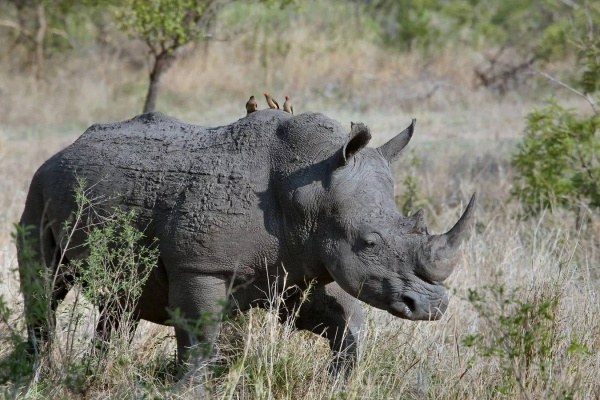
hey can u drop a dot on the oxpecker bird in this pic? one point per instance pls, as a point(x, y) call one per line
point(287, 106)
point(270, 101)
point(251, 105)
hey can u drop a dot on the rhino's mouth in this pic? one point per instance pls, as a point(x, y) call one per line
point(408, 310)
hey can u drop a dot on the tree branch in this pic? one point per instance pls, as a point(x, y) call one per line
point(570, 88)
point(10, 24)
point(571, 4)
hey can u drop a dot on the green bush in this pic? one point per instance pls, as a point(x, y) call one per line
point(557, 162)
point(519, 329)
point(111, 277)
point(117, 267)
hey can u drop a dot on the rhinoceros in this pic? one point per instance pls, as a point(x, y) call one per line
point(240, 206)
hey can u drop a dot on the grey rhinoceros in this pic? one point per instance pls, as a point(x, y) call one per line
point(242, 205)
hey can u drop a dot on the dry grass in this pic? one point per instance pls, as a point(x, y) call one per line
point(464, 136)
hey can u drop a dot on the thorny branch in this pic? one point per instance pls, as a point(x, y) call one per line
point(588, 98)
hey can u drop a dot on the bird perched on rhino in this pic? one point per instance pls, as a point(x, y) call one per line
point(287, 106)
point(270, 101)
point(251, 105)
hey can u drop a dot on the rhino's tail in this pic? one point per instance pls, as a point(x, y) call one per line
point(38, 256)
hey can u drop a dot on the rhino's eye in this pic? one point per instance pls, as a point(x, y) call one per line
point(371, 240)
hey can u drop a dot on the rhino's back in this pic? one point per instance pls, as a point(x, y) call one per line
point(156, 143)
point(177, 176)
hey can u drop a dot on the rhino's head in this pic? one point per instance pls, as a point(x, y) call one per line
point(373, 252)
point(339, 213)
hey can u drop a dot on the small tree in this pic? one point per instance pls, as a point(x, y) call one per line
point(166, 26)
point(558, 162)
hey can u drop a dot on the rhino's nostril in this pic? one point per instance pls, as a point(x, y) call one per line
point(410, 303)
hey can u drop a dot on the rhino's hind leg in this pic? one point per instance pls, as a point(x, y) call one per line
point(112, 318)
point(43, 283)
point(111, 321)
point(197, 304)
point(338, 317)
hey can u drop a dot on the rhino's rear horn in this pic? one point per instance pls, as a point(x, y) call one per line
point(392, 149)
point(417, 222)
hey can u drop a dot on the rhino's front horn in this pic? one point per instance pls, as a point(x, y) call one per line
point(442, 250)
point(460, 229)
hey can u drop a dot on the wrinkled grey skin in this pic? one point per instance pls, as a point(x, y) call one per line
point(242, 205)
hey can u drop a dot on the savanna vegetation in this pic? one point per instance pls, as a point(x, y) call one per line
point(505, 93)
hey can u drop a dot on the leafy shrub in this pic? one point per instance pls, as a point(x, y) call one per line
point(117, 266)
point(111, 277)
point(520, 330)
point(557, 162)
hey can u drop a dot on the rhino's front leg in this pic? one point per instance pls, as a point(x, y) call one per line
point(338, 317)
point(197, 304)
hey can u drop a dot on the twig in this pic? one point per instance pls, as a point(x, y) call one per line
point(10, 24)
point(577, 92)
point(412, 365)
point(571, 4)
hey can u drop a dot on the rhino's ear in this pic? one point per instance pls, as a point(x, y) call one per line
point(358, 139)
point(392, 149)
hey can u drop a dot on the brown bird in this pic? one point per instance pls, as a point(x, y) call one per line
point(287, 106)
point(251, 105)
point(270, 101)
